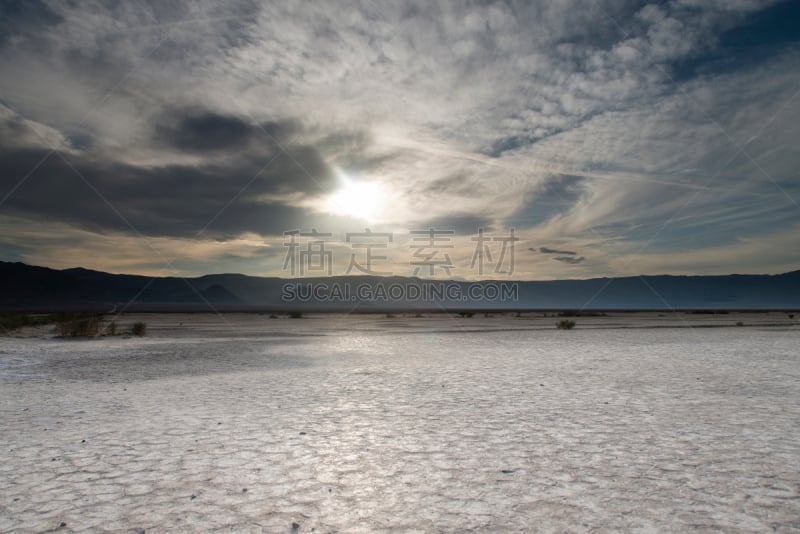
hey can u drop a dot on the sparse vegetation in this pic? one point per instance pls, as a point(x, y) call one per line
point(139, 329)
point(565, 324)
point(90, 324)
point(68, 324)
point(13, 320)
point(77, 324)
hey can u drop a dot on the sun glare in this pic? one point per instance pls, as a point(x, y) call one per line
point(361, 200)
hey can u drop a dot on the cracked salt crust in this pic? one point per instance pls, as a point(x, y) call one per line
point(364, 424)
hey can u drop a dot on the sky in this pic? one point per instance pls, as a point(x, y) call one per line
point(539, 140)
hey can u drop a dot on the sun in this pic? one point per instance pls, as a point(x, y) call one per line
point(360, 200)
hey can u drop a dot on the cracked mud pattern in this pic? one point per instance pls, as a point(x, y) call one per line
point(357, 431)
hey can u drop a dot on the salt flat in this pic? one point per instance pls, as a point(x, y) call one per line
point(366, 423)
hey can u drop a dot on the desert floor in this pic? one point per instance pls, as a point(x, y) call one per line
point(241, 423)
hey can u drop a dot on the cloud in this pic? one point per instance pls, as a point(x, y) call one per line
point(25, 18)
point(617, 124)
point(509, 143)
point(19, 133)
point(61, 246)
point(203, 130)
point(461, 224)
point(546, 250)
point(171, 200)
point(570, 259)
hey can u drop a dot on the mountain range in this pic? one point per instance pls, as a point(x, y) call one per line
point(27, 287)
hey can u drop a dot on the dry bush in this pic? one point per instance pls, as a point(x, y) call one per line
point(78, 325)
point(565, 324)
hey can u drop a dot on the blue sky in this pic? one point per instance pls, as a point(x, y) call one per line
point(185, 138)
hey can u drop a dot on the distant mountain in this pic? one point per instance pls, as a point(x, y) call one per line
point(26, 287)
point(218, 294)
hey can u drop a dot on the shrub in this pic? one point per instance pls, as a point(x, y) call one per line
point(139, 329)
point(466, 314)
point(791, 316)
point(111, 328)
point(64, 328)
point(739, 323)
point(296, 315)
point(89, 327)
point(80, 325)
point(565, 324)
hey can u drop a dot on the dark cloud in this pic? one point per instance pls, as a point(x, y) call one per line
point(546, 250)
point(160, 201)
point(283, 131)
point(171, 200)
point(203, 130)
point(570, 259)
point(80, 140)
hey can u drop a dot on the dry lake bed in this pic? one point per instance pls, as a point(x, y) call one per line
point(242, 423)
